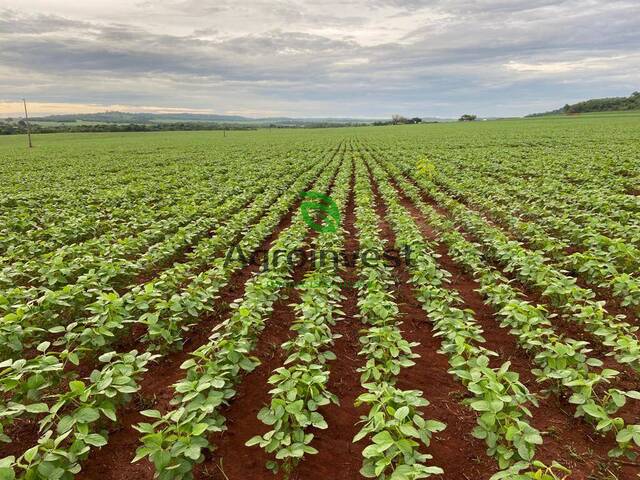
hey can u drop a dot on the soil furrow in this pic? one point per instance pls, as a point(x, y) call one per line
point(604, 294)
point(561, 323)
point(336, 449)
point(156, 386)
point(572, 443)
point(454, 449)
point(231, 455)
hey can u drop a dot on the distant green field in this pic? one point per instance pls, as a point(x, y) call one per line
point(527, 129)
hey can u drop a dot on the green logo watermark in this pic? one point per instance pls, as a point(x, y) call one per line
point(322, 203)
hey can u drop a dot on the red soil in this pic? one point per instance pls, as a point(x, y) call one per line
point(231, 455)
point(337, 452)
point(571, 442)
point(336, 449)
point(605, 294)
point(455, 450)
point(231, 458)
point(567, 440)
point(156, 386)
point(628, 380)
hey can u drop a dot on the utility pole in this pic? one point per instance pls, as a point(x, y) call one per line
point(26, 117)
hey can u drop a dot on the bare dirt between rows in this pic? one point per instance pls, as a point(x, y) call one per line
point(25, 431)
point(567, 440)
point(156, 386)
point(114, 461)
point(570, 441)
point(233, 460)
point(231, 456)
point(338, 456)
point(628, 378)
point(156, 391)
point(455, 450)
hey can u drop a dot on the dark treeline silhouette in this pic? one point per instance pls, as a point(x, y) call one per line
point(613, 104)
point(20, 127)
point(399, 120)
point(467, 118)
point(11, 127)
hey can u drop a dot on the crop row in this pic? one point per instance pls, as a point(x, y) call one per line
point(299, 387)
point(29, 319)
point(497, 394)
point(125, 240)
point(164, 305)
point(577, 304)
point(602, 261)
point(394, 426)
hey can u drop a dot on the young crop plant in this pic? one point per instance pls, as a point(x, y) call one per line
point(596, 261)
point(29, 322)
point(300, 385)
point(113, 315)
point(122, 252)
point(77, 420)
point(75, 459)
point(394, 426)
point(498, 396)
point(577, 304)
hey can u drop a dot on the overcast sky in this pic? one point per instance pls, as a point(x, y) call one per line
point(304, 58)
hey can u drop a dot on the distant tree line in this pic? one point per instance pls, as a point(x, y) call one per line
point(20, 127)
point(398, 120)
point(136, 118)
point(15, 127)
point(613, 104)
point(125, 118)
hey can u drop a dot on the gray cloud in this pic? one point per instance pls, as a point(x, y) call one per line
point(13, 22)
point(426, 57)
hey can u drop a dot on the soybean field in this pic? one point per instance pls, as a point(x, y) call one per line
point(453, 301)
